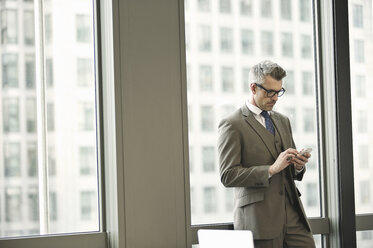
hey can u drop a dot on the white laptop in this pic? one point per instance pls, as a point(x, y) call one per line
point(225, 239)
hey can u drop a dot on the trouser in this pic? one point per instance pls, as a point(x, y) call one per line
point(295, 233)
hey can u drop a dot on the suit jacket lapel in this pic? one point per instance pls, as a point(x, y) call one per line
point(262, 132)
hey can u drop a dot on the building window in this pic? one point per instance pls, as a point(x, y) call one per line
point(308, 120)
point(291, 113)
point(9, 26)
point(225, 6)
point(363, 155)
point(28, 27)
point(360, 86)
point(87, 159)
point(83, 28)
point(30, 71)
point(226, 110)
point(359, 51)
point(246, 7)
point(208, 159)
point(312, 195)
point(366, 235)
point(307, 83)
point(229, 199)
point(31, 115)
point(362, 121)
point(32, 159)
point(305, 10)
point(205, 78)
point(267, 43)
point(289, 83)
point(13, 204)
point(204, 38)
point(306, 46)
point(87, 205)
point(266, 8)
point(247, 42)
point(51, 161)
point(49, 75)
point(10, 70)
point(227, 79)
point(209, 196)
point(50, 117)
point(357, 14)
point(12, 159)
point(52, 206)
point(287, 44)
point(33, 205)
point(245, 80)
point(48, 29)
point(11, 115)
point(364, 192)
point(84, 72)
point(226, 40)
point(207, 118)
point(286, 9)
point(204, 5)
point(86, 116)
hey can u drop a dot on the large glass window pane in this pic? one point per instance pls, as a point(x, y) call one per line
point(217, 75)
point(360, 31)
point(69, 141)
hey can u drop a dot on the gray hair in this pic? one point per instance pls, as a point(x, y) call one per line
point(265, 68)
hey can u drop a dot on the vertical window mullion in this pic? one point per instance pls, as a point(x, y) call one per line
point(41, 118)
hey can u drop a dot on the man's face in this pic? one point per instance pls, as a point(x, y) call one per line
point(261, 99)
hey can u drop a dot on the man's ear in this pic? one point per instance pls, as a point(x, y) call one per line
point(253, 88)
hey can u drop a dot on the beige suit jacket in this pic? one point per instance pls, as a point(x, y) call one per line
point(246, 151)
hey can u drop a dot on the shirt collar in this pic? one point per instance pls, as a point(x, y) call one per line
point(254, 108)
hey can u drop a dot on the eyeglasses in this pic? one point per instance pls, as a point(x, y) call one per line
point(272, 93)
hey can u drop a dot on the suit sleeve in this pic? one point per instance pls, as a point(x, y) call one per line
point(232, 173)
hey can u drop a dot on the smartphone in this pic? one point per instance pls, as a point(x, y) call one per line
point(309, 150)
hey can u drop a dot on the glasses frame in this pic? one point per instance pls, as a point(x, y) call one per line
point(272, 93)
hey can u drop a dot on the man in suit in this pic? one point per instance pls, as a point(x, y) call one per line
point(257, 156)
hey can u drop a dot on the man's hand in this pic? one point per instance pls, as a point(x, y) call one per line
point(284, 160)
point(300, 160)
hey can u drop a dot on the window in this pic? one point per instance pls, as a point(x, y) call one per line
point(204, 38)
point(33, 203)
point(267, 43)
point(86, 116)
point(10, 115)
point(362, 121)
point(87, 205)
point(357, 14)
point(9, 26)
point(226, 110)
point(308, 120)
point(32, 160)
point(226, 40)
point(360, 86)
point(291, 113)
point(207, 118)
point(48, 29)
point(28, 25)
point(289, 83)
point(13, 204)
point(287, 44)
point(83, 28)
point(305, 10)
point(209, 196)
point(10, 70)
point(31, 115)
point(50, 117)
point(286, 9)
point(311, 194)
point(205, 78)
point(12, 159)
point(364, 192)
point(245, 80)
point(227, 79)
point(30, 71)
point(208, 156)
point(363, 155)
point(229, 200)
point(246, 7)
point(87, 161)
point(359, 51)
point(204, 5)
point(308, 89)
point(247, 42)
point(266, 8)
point(306, 46)
point(53, 206)
point(49, 72)
point(225, 6)
point(84, 72)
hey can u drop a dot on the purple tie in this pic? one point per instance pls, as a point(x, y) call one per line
point(269, 123)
